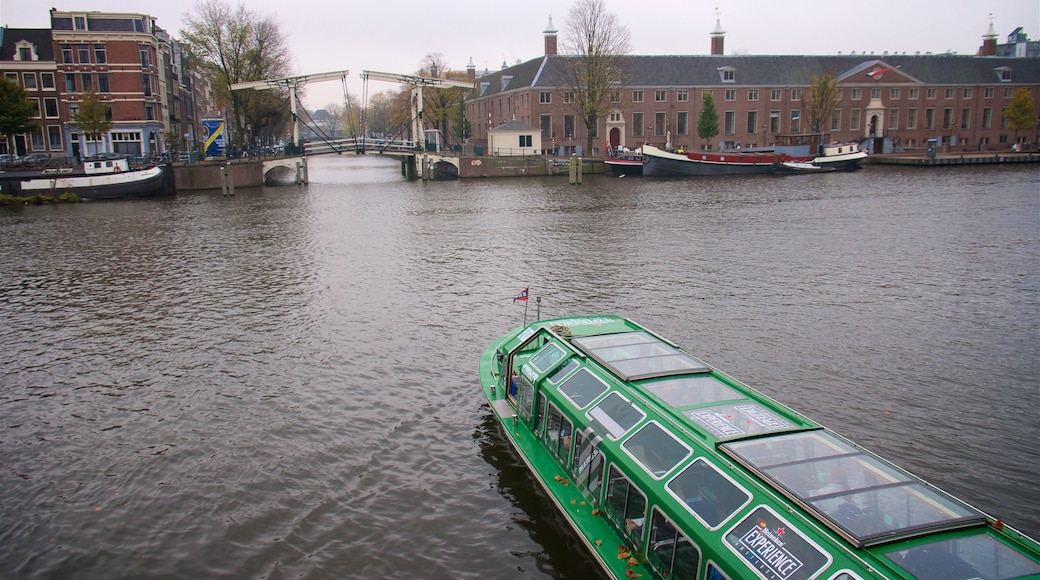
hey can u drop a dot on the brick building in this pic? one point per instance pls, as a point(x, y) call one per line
point(893, 101)
point(27, 58)
point(133, 65)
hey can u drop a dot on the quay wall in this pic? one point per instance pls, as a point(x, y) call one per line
point(942, 159)
point(206, 174)
point(521, 166)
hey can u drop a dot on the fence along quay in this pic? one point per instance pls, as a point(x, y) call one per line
point(668, 468)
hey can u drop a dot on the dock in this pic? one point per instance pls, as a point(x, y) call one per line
point(965, 158)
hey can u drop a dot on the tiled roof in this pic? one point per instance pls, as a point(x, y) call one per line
point(778, 71)
point(41, 37)
point(515, 125)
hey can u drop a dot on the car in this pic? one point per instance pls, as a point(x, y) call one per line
point(35, 159)
point(8, 159)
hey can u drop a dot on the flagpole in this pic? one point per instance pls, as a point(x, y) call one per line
point(526, 302)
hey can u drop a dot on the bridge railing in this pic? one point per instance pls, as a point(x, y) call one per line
point(352, 144)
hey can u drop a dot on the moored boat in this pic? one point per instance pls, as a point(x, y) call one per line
point(845, 156)
point(801, 167)
point(668, 468)
point(661, 163)
point(622, 163)
point(98, 179)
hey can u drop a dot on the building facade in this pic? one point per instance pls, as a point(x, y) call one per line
point(27, 58)
point(133, 66)
point(895, 102)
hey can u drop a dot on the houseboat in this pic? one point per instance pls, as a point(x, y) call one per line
point(846, 156)
point(98, 178)
point(668, 468)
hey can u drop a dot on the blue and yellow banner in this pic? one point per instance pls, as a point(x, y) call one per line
point(215, 133)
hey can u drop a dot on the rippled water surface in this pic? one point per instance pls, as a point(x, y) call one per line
point(283, 383)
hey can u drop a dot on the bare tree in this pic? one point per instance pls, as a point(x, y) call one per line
point(819, 102)
point(235, 45)
point(439, 104)
point(332, 124)
point(94, 117)
point(595, 43)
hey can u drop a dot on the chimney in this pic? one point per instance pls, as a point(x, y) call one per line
point(550, 38)
point(717, 36)
point(989, 40)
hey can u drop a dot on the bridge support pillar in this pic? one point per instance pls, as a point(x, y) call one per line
point(301, 171)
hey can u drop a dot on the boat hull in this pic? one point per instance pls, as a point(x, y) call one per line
point(660, 163)
point(148, 182)
point(625, 165)
point(846, 162)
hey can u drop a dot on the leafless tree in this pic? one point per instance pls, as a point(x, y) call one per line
point(234, 45)
point(819, 102)
point(594, 43)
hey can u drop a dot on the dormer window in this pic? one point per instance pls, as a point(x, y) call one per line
point(1003, 73)
point(505, 81)
point(25, 51)
point(484, 87)
point(727, 74)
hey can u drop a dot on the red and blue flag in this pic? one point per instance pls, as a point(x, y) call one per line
point(521, 296)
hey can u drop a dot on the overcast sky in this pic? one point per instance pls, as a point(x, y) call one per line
point(395, 35)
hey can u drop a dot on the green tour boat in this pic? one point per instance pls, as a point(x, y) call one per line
point(667, 468)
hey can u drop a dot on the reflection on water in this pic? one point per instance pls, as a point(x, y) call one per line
point(284, 382)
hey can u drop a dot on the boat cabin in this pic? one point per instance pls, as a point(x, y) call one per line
point(699, 476)
point(101, 166)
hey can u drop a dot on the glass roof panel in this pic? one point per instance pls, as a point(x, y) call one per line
point(978, 556)
point(688, 391)
point(639, 355)
point(868, 499)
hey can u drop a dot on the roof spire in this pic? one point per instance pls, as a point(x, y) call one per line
point(549, 28)
point(992, 32)
point(718, 25)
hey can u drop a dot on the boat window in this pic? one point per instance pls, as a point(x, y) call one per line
point(777, 550)
point(525, 400)
point(625, 505)
point(557, 435)
point(708, 493)
point(860, 496)
point(669, 551)
point(589, 470)
point(582, 388)
point(614, 416)
point(639, 355)
point(737, 420)
point(657, 450)
point(978, 556)
point(539, 415)
point(696, 390)
point(713, 573)
point(547, 357)
point(562, 371)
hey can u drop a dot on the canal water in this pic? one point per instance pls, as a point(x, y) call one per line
point(283, 383)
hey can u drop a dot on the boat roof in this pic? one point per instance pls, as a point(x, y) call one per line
point(786, 450)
